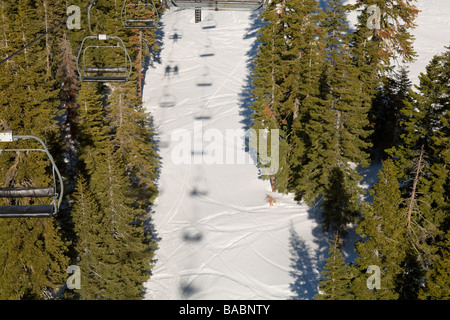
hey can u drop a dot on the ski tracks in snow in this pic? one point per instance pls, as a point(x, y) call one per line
point(220, 239)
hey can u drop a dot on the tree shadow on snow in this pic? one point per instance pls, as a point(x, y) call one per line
point(245, 96)
point(159, 38)
point(307, 263)
point(304, 285)
point(155, 55)
point(323, 238)
point(369, 177)
point(152, 237)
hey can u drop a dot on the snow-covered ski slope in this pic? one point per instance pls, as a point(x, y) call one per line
point(432, 33)
point(218, 236)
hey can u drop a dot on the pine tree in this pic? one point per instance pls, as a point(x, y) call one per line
point(425, 138)
point(34, 253)
point(438, 278)
point(384, 239)
point(426, 132)
point(117, 159)
point(336, 276)
point(125, 251)
point(385, 113)
point(267, 92)
point(68, 97)
point(340, 205)
point(141, 40)
point(132, 140)
point(373, 49)
point(301, 85)
point(393, 39)
point(365, 59)
point(93, 131)
point(86, 217)
point(33, 260)
point(334, 128)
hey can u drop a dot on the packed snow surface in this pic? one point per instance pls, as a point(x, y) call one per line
point(432, 34)
point(218, 236)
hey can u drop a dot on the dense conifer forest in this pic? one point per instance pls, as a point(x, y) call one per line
point(102, 141)
point(336, 95)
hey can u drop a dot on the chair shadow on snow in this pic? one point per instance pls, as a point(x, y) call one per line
point(204, 79)
point(192, 234)
point(187, 289)
point(305, 263)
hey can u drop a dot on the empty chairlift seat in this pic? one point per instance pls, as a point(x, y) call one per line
point(35, 210)
point(139, 15)
point(133, 23)
point(27, 210)
point(27, 192)
point(31, 211)
point(89, 72)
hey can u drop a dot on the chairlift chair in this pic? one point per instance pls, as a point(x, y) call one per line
point(93, 73)
point(31, 211)
point(139, 15)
